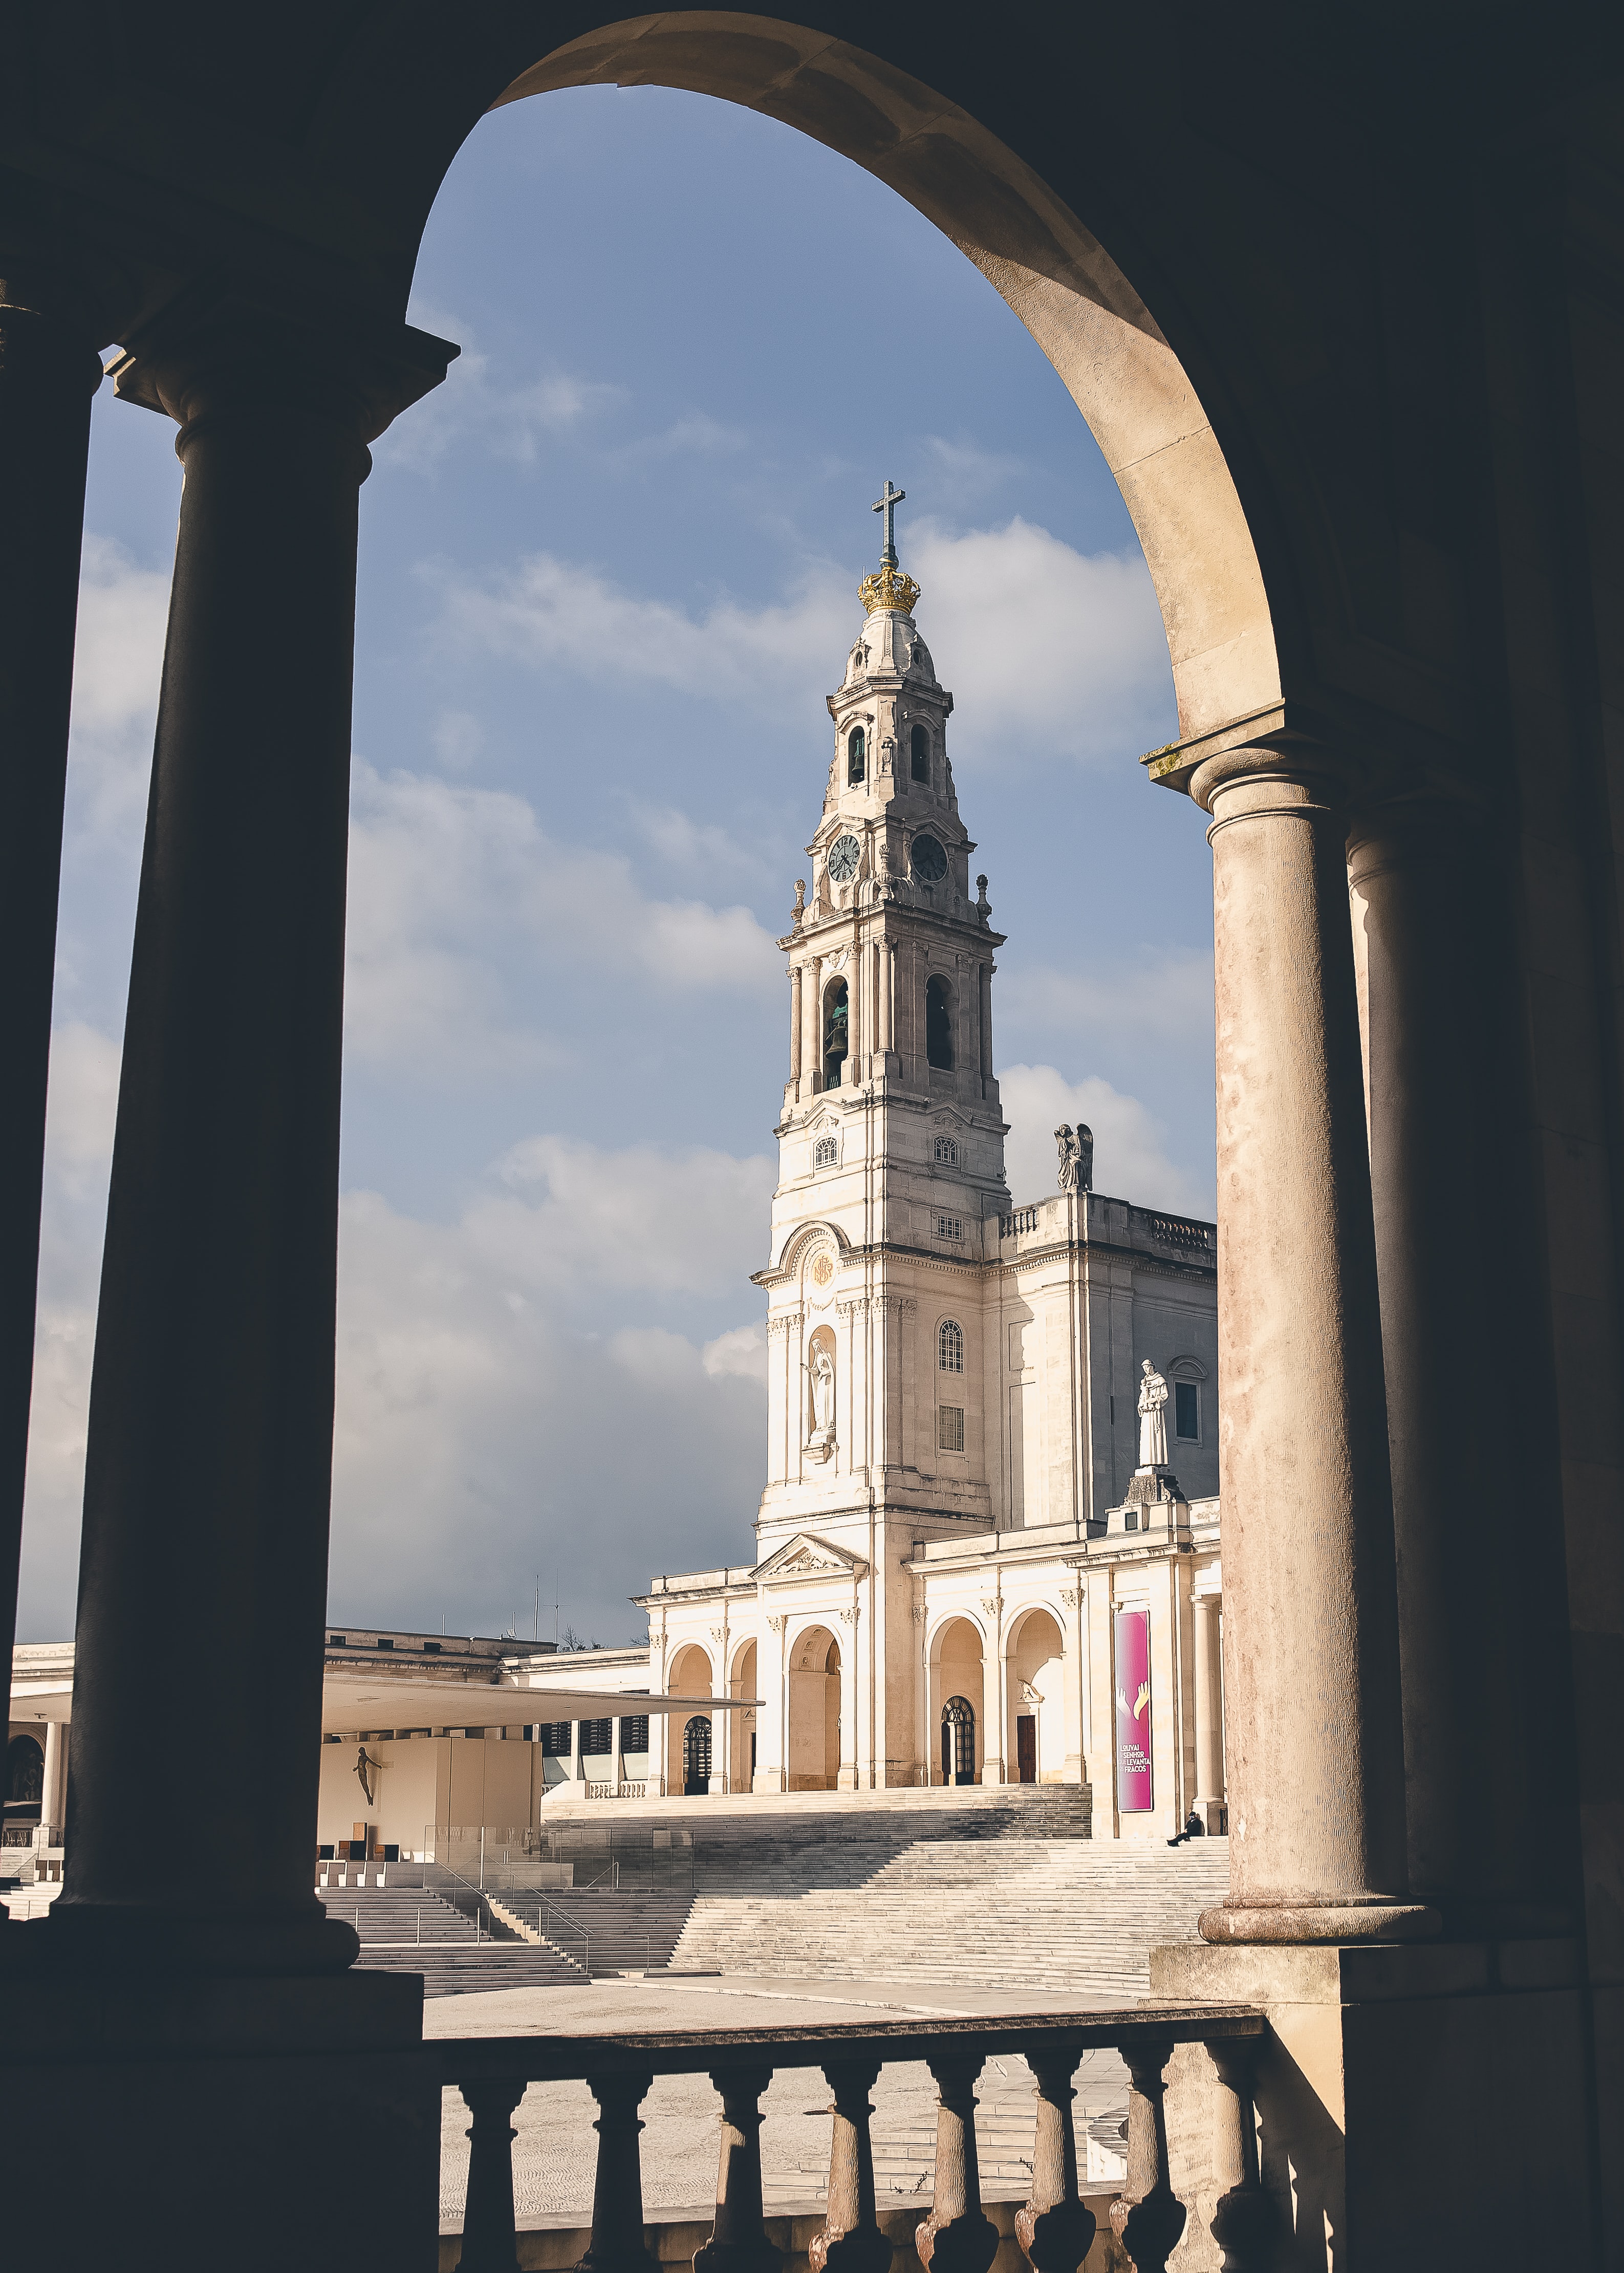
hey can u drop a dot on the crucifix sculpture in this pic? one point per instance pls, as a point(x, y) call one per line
point(887, 503)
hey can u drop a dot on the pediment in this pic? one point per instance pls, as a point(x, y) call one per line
point(808, 1557)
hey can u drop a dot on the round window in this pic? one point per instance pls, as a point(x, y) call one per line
point(929, 862)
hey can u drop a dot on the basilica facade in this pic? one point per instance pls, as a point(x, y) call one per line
point(977, 1560)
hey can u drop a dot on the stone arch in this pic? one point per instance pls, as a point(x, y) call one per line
point(688, 1673)
point(808, 1235)
point(956, 1655)
point(814, 1739)
point(1034, 1693)
point(743, 1680)
point(1112, 355)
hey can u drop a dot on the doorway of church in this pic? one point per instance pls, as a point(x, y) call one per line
point(1026, 1748)
point(958, 1741)
point(697, 1758)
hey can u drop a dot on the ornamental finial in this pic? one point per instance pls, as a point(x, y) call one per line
point(889, 588)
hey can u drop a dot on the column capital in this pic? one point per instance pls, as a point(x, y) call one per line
point(1283, 772)
point(1399, 832)
point(214, 350)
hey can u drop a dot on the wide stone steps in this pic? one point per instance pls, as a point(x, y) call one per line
point(1080, 1918)
point(609, 1933)
point(412, 1930)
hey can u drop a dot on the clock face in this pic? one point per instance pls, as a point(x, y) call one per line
point(844, 855)
point(929, 861)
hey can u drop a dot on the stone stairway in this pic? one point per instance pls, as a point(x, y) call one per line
point(628, 1932)
point(411, 1930)
point(1034, 1914)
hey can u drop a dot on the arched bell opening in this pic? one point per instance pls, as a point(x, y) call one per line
point(837, 1022)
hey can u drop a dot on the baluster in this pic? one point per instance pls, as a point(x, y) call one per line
point(489, 2242)
point(1054, 2226)
point(956, 2237)
point(739, 2242)
point(617, 2244)
point(851, 2240)
point(1147, 2216)
point(1243, 2217)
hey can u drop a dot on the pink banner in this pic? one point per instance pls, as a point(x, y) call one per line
point(1134, 1793)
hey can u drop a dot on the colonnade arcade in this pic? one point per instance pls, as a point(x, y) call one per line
point(1403, 1751)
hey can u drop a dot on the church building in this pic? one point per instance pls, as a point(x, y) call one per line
point(987, 1547)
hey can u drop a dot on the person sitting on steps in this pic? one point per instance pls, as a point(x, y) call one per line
point(1194, 1828)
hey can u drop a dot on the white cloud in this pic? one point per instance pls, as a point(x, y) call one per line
point(691, 1221)
point(550, 611)
point(742, 1350)
point(1049, 651)
point(1164, 997)
point(117, 663)
point(449, 884)
point(481, 1439)
point(1130, 1159)
point(474, 404)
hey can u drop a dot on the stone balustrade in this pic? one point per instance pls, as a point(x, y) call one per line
point(1055, 2226)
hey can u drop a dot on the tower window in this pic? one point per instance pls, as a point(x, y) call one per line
point(950, 1226)
point(938, 1023)
point(921, 745)
point(950, 1346)
point(947, 1151)
point(825, 1153)
point(1187, 1411)
point(856, 756)
point(950, 1428)
point(835, 1025)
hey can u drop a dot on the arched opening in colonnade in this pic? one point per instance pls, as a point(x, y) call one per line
point(742, 1728)
point(1034, 1699)
point(688, 1675)
point(814, 1750)
point(956, 1708)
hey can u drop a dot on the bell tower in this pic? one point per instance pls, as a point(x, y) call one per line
point(891, 1141)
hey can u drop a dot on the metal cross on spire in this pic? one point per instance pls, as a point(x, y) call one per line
point(887, 505)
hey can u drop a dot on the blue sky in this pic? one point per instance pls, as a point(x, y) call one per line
point(607, 576)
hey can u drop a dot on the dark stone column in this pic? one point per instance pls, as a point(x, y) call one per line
point(203, 1576)
point(1481, 1607)
point(49, 371)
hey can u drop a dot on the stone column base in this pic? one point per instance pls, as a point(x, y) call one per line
point(246, 2121)
point(1419, 2106)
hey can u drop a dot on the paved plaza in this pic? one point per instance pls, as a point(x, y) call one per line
point(552, 2156)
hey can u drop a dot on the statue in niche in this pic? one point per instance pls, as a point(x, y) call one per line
point(822, 1367)
point(1152, 1417)
point(1076, 1150)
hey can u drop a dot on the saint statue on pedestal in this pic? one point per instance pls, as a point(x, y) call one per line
point(1152, 1417)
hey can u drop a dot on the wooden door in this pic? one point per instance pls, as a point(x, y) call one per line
point(1026, 1748)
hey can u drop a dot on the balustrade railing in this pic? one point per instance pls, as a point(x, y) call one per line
point(1017, 1220)
point(1055, 2226)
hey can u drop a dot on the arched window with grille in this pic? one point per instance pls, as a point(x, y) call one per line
point(947, 1151)
point(939, 1024)
point(696, 1756)
point(856, 756)
point(950, 1346)
point(825, 1153)
point(958, 1741)
point(921, 747)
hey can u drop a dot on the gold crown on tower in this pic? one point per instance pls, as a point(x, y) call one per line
point(888, 588)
